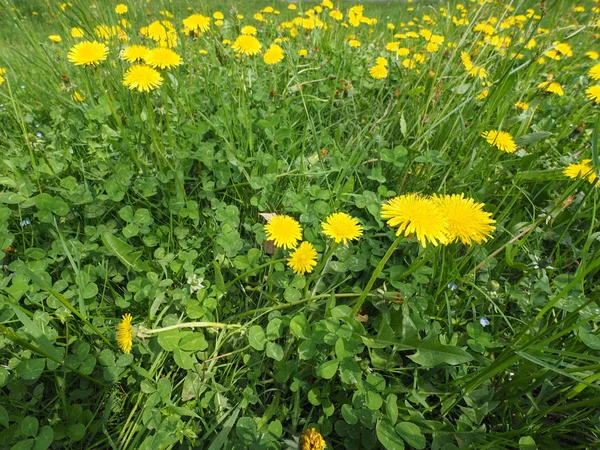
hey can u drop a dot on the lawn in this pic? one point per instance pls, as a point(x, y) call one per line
point(299, 226)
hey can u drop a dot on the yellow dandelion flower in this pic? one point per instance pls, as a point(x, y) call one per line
point(87, 53)
point(312, 440)
point(55, 38)
point(105, 32)
point(125, 334)
point(249, 30)
point(413, 213)
point(584, 169)
point(378, 71)
point(121, 8)
point(564, 49)
point(522, 105)
point(273, 55)
point(218, 15)
point(197, 22)
point(77, 32)
point(354, 43)
point(478, 72)
point(594, 72)
point(77, 97)
point(593, 93)
point(142, 77)
point(164, 58)
point(284, 230)
point(303, 259)
point(553, 87)
point(302, 52)
point(592, 54)
point(247, 45)
point(467, 221)
point(342, 227)
point(134, 53)
point(502, 140)
point(292, 7)
point(381, 61)
point(483, 94)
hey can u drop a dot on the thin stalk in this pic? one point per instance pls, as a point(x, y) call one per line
point(375, 274)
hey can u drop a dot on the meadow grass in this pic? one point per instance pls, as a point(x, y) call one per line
point(119, 205)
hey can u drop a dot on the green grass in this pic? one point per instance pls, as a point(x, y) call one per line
point(108, 206)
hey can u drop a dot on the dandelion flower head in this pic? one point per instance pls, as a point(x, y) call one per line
point(87, 53)
point(247, 45)
point(467, 221)
point(284, 230)
point(163, 58)
point(142, 78)
point(124, 334)
point(501, 140)
point(584, 169)
point(273, 55)
point(342, 227)
point(303, 259)
point(312, 440)
point(413, 213)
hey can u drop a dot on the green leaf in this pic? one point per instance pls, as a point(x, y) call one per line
point(25, 444)
point(274, 329)
point(31, 369)
point(169, 340)
point(391, 408)
point(3, 417)
point(29, 426)
point(76, 431)
point(328, 369)
point(44, 438)
point(411, 433)
point(527, 443)
point(349, 415)
point(257, 338)
point(373, 400)
point(431, 353)
point(193, 342)
point(183, 359)
point(298, 326)
point(222, 438)
point(388, 437)
point(219, 282)
point(532, 138)
point(246, 430)
point(274, 351)
point(120, 249)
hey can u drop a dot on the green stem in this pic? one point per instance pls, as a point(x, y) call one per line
point(254, 269)
point(192, 325)
point(318, 269)
point(376, 273)
point(300, 302)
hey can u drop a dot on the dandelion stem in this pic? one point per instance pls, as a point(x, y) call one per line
point(376, 273)
point(254, 269)
point(317, 272)
point(193, 325)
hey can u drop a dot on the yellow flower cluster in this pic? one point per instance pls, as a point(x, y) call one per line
point(440, 219)
point(285, 232)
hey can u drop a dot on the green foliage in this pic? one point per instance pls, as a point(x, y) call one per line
point(154, 204)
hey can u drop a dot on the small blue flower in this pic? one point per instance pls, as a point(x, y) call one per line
point(484, 322)
point(39, 135)
point(452, 286)
point(25, 222)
